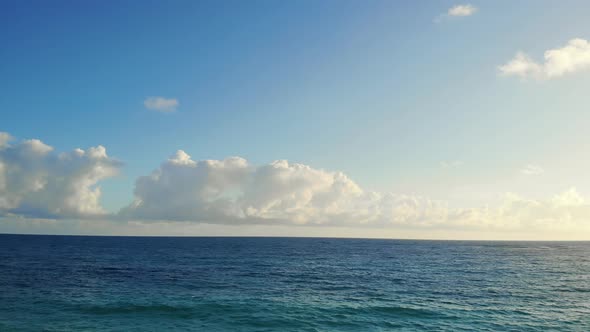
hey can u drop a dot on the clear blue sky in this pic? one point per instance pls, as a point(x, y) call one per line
point(380, 90)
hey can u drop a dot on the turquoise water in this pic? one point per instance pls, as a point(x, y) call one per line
point(62, 283)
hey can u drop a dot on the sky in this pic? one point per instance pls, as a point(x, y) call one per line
point(395, 119)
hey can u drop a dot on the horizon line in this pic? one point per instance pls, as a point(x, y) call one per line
point(286, 237)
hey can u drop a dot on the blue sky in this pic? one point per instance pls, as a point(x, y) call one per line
point(399, 96)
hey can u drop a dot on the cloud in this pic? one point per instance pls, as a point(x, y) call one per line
point(231, 191)
point(4, 139)
point(36, 182)
point(451, 164)
point(532, 170)
point(161, 104)
point(571, 58)
point(568, 210)
point(521, 65)
point(457, 11)
point(462, 10)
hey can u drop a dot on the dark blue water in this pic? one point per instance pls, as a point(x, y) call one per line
point(62, 283)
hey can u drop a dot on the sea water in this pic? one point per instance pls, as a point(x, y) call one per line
point(79, 283)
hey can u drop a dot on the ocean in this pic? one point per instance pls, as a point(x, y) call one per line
point(83, 283)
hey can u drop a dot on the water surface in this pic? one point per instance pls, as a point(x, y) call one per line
point(70, 283)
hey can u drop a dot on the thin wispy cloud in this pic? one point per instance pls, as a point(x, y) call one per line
point(161, 104)
point(572, 58)
point(457, 11)
point(451, 164)
point(532, 170)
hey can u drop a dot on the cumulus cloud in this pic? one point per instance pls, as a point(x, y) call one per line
point(36, 182)
point(532, 170)
point(182, 189)
point(522, 66)
point(4, 139)
point(457, 11)
point(568, 210)
point(571, 58)
point(161, 104)
point(232, 191)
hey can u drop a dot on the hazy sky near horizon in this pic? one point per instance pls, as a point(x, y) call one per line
point(437, 119)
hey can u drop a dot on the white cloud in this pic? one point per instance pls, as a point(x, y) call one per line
point(462, 10)
point(182, 189)
point(451, 164)
point(568, 210)
point(570, 197)
point(532, 170)
point(36, 182)
point(521, 65)
point(571, 58)
point(161, 104)
point(232, 191)
point(457, 11)
point(4, 139)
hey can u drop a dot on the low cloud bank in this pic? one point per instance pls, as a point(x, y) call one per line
point(234, 192)
point(37, 182)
